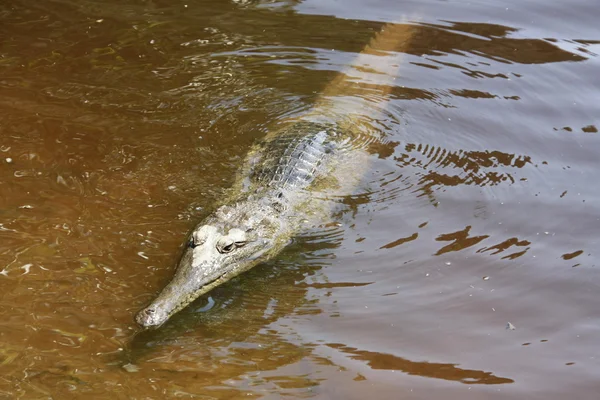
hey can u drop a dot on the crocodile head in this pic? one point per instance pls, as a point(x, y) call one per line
point(227, 243)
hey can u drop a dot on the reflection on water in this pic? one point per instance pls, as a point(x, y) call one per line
point(121, 123)
point(431, 370)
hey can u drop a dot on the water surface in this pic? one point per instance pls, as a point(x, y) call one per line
point(121, 122)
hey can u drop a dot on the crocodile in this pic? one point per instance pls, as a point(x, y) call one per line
point(278, 190)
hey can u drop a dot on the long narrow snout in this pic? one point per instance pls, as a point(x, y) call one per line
point(185, 287)
point(168, 302)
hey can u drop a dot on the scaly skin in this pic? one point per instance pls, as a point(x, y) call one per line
point(272, 196)
point(262, 214)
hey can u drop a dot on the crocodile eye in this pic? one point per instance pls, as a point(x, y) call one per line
point(191, 244)
point(228, 248)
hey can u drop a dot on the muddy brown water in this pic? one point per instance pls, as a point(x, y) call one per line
point(121, 122)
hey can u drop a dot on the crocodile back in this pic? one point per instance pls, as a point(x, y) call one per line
point(292, 160)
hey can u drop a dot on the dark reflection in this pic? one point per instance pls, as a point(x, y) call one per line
point(448, 372)
point(572, 255)
point(505, 245)
point(400, 241)
point(480, 168)
point(429, 39)
point(423, 169)
point(495, 44)
point(460, 240)
point(590, 129)
point(167, 45)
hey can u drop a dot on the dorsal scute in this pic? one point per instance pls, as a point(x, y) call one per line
point(294, 159)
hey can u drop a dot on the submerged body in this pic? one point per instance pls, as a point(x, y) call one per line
point(273, 195)
point(268, 203)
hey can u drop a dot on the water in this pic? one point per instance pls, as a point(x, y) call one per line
point(122, 122)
